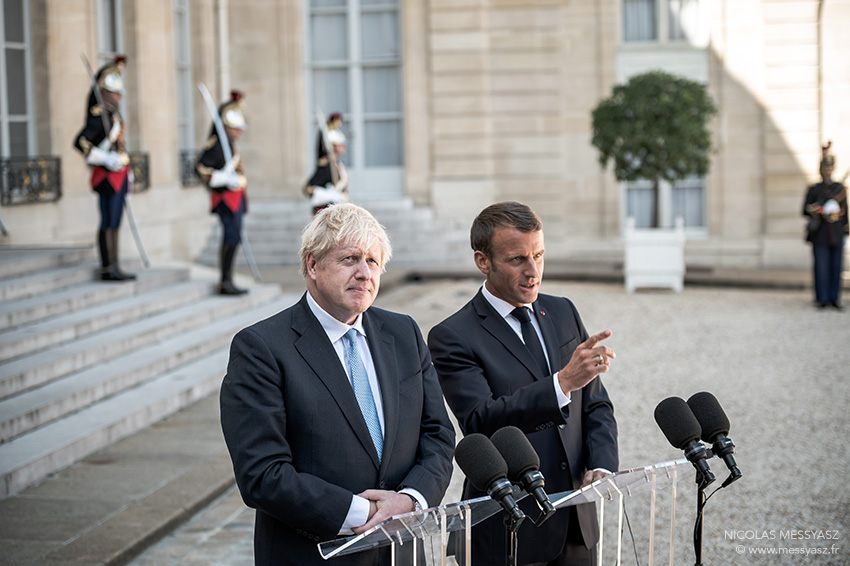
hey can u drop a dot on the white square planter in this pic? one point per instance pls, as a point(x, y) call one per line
point(655, 257)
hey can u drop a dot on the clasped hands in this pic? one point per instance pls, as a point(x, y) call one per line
point(383, 504)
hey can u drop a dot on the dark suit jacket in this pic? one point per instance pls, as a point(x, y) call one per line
point(299, 444)
point(490, 380)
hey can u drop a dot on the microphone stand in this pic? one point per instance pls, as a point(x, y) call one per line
point(701, 485)
point(511, 543)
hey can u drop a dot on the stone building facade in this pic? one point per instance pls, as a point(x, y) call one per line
point(452, 104)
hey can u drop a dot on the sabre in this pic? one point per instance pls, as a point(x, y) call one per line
point(228, 159)
point(323, 128)
point(131, 218)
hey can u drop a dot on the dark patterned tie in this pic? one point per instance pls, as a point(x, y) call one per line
point(529, 336)
point(360, 383)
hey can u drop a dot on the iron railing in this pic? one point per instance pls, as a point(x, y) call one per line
point(188, 174)
point(141, 165)
point(25, 180)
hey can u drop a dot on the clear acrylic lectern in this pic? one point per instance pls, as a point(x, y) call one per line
point(433, 526)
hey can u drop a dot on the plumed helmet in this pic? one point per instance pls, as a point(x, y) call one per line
point(828, 159)
point(109, 77)
point(336, 137)
point(231, 111)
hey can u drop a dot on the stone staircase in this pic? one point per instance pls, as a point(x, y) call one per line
point(85, 363)
point(418, 236)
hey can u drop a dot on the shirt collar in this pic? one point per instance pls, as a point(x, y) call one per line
point(332, 327)
point(502, 307)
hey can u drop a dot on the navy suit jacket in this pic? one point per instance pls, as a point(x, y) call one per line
point(490, 380)
point(299, 444)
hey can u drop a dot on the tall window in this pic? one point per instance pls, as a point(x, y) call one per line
point(354, 63)
point(110, 36)
point(183, 60)
point(16, 118)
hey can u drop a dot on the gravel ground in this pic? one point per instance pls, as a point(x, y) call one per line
point(777, 366)
point(775, 363)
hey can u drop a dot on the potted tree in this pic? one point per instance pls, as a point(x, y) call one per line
point(654, 127)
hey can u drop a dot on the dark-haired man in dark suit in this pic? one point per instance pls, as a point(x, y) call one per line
point(512, 356)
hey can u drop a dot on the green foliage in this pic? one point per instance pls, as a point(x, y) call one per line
point(655, 127)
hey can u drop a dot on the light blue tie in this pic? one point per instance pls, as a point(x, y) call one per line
point(360, 383)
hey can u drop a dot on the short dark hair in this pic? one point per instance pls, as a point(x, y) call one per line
point(510, 214)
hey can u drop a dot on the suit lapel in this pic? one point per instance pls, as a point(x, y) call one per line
point(550, 342)
point(382, 348)
point(493, 323)
point(319, 354)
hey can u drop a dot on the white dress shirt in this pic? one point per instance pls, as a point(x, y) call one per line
point(358, 512)
point(504, 309)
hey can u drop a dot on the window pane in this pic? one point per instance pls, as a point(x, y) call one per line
point(329, 38)
point(380, 35)
point(381, 89)
point(379, 2)
point(16, 88)
point(640, 203)
point(326, 3)
point(330, 90)
point(18, 139)
point(684, 19)
point(13, 14)
point(383, 143)
point(108, 32)
point(639, 20)
point(688, 203)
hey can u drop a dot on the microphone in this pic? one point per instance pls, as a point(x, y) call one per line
point(487, 470)
point(715, 428)
point(523, 463)
point(682, 430)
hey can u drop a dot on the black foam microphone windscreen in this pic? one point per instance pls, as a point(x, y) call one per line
point(480, 460)
point(677, 422)
point(709, 414)
point(517, 451)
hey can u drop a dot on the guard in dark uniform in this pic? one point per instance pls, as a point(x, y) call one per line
point(101, 141)
point(329, 183)
point(227, 184)
point(826, 208)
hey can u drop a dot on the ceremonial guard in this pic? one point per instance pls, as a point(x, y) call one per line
point(329, 183)
point(227, 184)
point(101, 141)
point(826, 209)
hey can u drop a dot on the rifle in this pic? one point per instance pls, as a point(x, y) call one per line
point(228, 159)
point(131, 218)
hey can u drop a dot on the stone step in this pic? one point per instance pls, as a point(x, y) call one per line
point(29, 458)
point(416, 233)
point(41, 367)
point(81, 295)
point(19, 261)
point(79, 323)
point(39, 406)
point(45, 281)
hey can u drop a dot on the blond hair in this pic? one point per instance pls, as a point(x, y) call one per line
point(338, 224)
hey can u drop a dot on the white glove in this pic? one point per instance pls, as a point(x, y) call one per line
point(322, 196)
point(224, 178)
point(108, 159)
point(831, 207)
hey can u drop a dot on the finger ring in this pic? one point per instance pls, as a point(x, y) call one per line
point(601, 359)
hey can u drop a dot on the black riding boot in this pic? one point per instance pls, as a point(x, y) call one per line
point(112, 238)
point(226, 287)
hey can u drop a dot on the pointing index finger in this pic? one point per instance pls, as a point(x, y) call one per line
point(596, 338)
